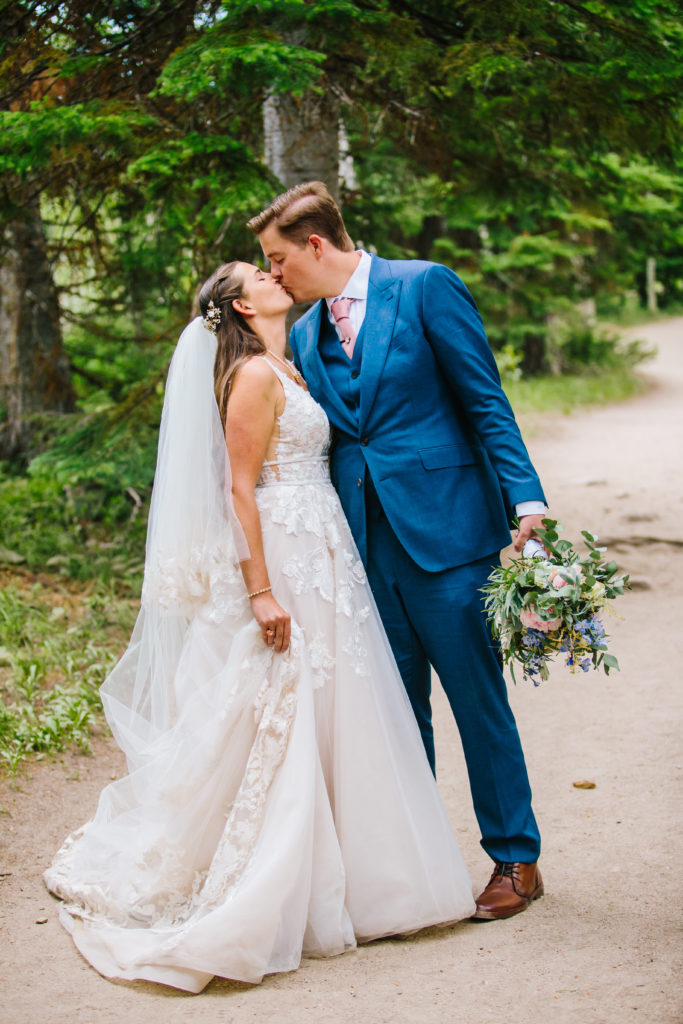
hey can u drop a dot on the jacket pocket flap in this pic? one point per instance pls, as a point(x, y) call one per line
point(446, 455)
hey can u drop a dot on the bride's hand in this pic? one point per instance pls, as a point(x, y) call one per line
point(274, 621)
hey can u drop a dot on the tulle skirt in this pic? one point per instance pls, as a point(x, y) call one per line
point(286, 807)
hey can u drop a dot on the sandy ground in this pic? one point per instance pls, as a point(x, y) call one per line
point(603, 944)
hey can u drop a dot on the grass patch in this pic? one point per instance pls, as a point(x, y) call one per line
point(572, 391)
point(56, 647)
point(46, 529)
point(633, 315)
point(71, 563)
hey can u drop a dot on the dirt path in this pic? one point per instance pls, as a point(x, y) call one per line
point(603, 945)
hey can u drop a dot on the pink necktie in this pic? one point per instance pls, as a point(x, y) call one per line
point(340, 311)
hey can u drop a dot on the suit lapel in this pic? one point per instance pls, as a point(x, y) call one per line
point(378, 326)
point(315, 373)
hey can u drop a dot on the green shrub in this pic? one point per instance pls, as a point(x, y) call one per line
point(53, 659)
point(577, 344)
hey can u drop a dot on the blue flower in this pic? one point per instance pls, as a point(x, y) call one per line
point(598, 629)
point(591, 629)
point(534, 638)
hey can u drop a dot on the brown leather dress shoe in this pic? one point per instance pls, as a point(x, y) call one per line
point(511, 889)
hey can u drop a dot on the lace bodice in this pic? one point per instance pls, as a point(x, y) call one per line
point(304, 439)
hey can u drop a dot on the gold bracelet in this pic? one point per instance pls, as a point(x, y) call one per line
point(264, 590)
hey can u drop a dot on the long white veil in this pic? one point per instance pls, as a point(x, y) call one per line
point(194, 544)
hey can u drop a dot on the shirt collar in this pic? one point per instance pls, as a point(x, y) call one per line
point(357, 285)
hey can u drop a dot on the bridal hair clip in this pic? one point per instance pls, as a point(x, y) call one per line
point(212, 319)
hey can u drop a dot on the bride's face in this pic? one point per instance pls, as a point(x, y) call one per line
point(263, 293)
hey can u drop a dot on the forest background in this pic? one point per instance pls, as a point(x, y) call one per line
point(532, 145)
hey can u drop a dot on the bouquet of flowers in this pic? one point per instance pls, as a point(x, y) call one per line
point(541, 605)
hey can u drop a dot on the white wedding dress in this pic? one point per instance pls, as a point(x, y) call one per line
point(282, 805)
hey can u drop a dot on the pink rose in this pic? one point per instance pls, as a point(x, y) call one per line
point(558, 582)
point(530, 620)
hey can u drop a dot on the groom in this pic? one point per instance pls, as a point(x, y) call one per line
point(430, 468)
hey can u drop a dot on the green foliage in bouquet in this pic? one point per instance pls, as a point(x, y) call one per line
point(540, 607)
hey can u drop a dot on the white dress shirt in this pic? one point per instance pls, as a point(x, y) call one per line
point(356, 288)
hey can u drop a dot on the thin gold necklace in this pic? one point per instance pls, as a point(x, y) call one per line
point(289, 366)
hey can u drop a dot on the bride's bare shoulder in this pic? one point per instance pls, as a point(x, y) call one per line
point(255, 371)
point(255, 382)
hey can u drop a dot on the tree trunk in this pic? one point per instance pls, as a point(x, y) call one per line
point(34, 372)
point(651, 284)
point(433, 226)
point(534, 359)
point(302, 138)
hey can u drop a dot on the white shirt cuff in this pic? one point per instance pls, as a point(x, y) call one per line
point(530, 508)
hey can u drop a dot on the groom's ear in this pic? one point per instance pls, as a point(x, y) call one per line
point(316, 243)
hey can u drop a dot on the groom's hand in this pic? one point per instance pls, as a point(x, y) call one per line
point(527, 528)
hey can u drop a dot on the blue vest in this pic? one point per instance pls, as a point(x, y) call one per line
point(344, 373)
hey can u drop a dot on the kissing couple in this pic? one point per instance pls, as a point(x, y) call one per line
point(274, 700)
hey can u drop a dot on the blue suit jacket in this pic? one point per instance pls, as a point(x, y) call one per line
point(434, 430)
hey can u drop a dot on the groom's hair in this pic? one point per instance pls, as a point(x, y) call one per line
point(305, 210)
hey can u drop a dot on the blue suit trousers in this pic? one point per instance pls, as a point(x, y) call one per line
point(438, 618)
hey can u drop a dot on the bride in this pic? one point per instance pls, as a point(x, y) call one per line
point(279, 802)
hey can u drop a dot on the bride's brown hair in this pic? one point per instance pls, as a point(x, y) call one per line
point(236, 339)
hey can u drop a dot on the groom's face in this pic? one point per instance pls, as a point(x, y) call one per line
point(297, 268)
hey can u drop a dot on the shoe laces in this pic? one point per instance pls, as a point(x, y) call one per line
point(503, 870)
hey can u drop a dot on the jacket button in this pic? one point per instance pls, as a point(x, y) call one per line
point(359, 482)
point(364, 441)
point(354, 374)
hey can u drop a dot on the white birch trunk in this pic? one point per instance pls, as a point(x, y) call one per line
point(301, 135)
